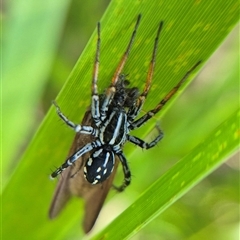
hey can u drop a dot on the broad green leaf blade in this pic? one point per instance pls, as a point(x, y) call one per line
point(191, 32)
point(204, 159)
point(31, 34)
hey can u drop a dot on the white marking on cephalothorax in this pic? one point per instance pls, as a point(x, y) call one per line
point(116, 132)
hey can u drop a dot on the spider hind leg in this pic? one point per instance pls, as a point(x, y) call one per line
point(126, 171)
point(88, 147)
point(139, 142)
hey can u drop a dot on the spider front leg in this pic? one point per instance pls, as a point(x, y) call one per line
point(126, 172)
point(139, 122)
point(112, 89)
point(135, 109)
point(76, 127)
point(88, 147)
point(139, 142)
point(95, 97)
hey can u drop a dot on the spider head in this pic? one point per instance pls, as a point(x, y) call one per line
point(99, 166)
point(124, 96)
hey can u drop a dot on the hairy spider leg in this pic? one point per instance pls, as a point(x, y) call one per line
point(88, 147)
point(95, 97)
point(135, 109)
point(139, 142)
point(139, 122)
point(99, 114)
point(126, 54)
point(126, 172)
point(76, 127)
point(112, 89)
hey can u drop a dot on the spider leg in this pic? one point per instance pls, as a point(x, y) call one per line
point(88, 147)
point(112, 89)
point(139, 142)
point(95, 97)
point(76, 127)
point(139, 122)
point(125, 55)
point(126, 171)
point(134, 110)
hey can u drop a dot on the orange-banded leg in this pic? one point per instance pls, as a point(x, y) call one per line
point(100, 113)
point(135, 109)
point(139, 122)
point(95, 97)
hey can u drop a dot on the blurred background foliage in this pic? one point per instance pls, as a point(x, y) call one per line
point(211, 209)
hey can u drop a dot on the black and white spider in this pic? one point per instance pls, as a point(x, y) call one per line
point(114, 116)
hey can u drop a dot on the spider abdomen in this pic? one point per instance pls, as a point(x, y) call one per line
point(99, 166)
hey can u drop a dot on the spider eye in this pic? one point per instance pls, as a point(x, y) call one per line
point(99, 166)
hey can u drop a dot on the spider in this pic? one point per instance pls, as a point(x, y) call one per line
point(73, 181)
point(114, 116)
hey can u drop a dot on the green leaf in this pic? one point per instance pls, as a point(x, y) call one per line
point(31, 34)
point(191, 32)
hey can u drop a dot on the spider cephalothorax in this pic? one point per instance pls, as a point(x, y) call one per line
point(114, 116)
point(125, 97)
